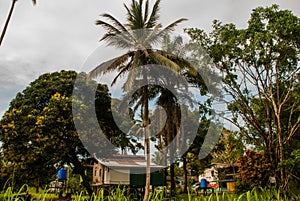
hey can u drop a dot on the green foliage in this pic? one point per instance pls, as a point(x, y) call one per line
point(32, 142)
point(123, 193)
point(229, 148)
point(139, 35)
point(292, 165)
point(260, 64)
point(24, 193)
point(195, 165)
point(38, 131)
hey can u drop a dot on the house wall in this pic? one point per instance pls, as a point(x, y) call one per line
point(106, 175)
point(98, 170)
point(103, 175)
point(210, 174)
point(117, 176)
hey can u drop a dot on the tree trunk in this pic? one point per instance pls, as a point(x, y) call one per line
point(147, 147)
point(185, 174)
point(147, 142)
point(282, 170)
point(172, 175)
point(7, 20)
point(78, 167)
point(85, 182)
point(277, 110)
point(37, 185)
point(172, 165)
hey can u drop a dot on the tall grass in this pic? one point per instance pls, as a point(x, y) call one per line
point(122, 194)
point(10, 195)
point(256, 194)
point(24, 194)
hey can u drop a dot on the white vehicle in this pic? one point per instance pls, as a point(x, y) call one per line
point(195, 186)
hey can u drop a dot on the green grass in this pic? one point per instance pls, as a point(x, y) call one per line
point(25, 193)
point(121, 194)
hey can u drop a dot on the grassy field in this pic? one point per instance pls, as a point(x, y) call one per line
point(121, 194)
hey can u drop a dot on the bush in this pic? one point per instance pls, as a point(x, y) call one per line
point(254, 171)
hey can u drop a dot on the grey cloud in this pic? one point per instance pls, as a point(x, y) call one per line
point(55, 34)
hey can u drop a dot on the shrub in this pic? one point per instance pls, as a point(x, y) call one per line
point(254, 171)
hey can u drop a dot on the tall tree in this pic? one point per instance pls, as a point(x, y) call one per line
point(261, 68)
point(168, 101)
point(138, 35)
point(38, 131)
point(229, 148)
point(9, 17)
point(205, 81)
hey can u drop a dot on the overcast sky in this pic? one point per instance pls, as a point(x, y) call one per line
point(61, 34)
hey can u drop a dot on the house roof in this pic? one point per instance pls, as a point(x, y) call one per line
point(128, 161)
point(225, 165)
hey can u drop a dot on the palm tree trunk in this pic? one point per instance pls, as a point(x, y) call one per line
point(147, 185)
point(7, 20)
point(172, 165)
point(147, 142)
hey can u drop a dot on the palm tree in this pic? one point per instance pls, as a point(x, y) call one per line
point(8, 18)
point(141, 32)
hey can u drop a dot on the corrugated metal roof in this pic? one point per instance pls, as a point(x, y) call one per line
point(127, 161)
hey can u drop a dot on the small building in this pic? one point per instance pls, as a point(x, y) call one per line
point(126, 170)
point(228, 171)
point(210, 174)
point(221, 175)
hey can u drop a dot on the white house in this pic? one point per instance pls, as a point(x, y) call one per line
point(126, 170)
point(211, 175)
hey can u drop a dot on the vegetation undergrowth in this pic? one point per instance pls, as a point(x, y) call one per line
point(122, 194)
point(25, 193)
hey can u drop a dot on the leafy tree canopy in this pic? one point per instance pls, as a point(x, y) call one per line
point(261, 72)
point(38, 132)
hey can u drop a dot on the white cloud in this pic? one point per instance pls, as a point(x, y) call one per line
point(55, 34)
